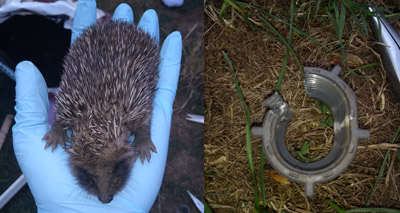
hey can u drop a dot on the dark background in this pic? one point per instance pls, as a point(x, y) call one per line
point(45, 43)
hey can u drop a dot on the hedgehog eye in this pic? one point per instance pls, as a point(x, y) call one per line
point(85, 178)
point(83, 173)
point(121, 169)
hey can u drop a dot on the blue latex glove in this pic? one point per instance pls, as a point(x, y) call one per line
point(173, 3)
point(47, 173)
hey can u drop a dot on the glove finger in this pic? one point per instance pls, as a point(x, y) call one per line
point(149, 24)
point(173, 3)
point(171, 53)
point(85, 16)
point(123, 13)
point(32, 101)
point(32, 106)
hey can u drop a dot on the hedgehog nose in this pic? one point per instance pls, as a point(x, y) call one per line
point(105, 198)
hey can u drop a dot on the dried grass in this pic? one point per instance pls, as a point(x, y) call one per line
point(257, 60)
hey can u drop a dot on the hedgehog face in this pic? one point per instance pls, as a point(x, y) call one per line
point(106, 178)
point(101, 158)
point(101, 165)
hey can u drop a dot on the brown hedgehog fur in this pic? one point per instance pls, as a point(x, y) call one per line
point(106, 94)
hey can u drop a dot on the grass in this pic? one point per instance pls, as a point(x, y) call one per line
point(362, 67)
point(279, 82)
point(248, 132)
point(303, 151)
point(247, 17)
point(285, 60)
point(297, 30)
point(207, 208)
point(260, 20)
point(256, 25)
point(263, 197)
point(382, 210)
point(358, 11)
point(382, 168)
point(338, 20)
point(328, 120)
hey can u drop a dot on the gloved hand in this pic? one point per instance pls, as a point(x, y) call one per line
point(47, 173)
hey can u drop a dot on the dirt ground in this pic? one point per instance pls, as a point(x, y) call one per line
point(257, 59)
point(184, 170)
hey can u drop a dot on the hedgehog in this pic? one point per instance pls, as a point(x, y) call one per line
point(106, 94)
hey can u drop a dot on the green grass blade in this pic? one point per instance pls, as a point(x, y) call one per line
point(264, 199)
point(233, 4)
point(305, 148)
point(363, 9)
point(248, 131)
point(340, 210)
point(282, 72)
point(335, 27)
point(281, 38)
point(338, 24)
point(366, 66)
point(394, 15)
point(338, 19)
point(381, 168)
point(347, 3)
point(291, 21)
point(329, 121)
point(342, 20)
point(316, 9)
point(353, 71)
point(207, 208)
point(335, 206)
point(306, 159)
point(377, 10)
point(364, 23)
point(223, 8)
point(308, 18)
point(357, 21)
point(336, 10)
point(285, 23)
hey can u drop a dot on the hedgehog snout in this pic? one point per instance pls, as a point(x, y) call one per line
point(105, 198)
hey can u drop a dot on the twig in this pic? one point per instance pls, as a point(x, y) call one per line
point(390, 168)
point(382, 146)
point(190, 31)
point(5, 127)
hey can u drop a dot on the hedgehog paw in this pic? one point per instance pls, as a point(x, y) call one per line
point(144, 150)
point(54, 138)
